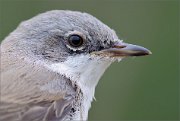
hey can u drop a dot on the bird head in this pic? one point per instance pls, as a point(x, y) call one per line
point(74, 44)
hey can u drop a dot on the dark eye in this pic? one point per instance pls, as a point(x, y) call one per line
point(75, 40)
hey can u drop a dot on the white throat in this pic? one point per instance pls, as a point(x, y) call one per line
point(83, 69)
point(86, 71)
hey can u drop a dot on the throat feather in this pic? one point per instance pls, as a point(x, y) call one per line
point(85, 72)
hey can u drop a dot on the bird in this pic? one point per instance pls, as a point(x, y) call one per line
point(51, 64)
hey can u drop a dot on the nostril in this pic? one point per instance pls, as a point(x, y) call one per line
point(101, 48)
point(105, 42)
point(118, 45)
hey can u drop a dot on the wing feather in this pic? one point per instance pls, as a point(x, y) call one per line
point(22, 98)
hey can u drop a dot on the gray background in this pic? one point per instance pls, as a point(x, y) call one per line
point(144, 88)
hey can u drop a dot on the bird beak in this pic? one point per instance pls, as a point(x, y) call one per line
point(120, 49)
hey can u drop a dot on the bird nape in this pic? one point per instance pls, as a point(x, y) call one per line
point(51, 64)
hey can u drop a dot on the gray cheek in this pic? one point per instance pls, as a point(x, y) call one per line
point(52, 50)
point(55, 55)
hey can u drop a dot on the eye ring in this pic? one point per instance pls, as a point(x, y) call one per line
point(75, 40)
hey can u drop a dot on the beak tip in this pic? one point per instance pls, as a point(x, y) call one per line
point(148, 52)
point(136, 50)
point(143, 53)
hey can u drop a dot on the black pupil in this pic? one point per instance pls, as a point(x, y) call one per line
point(75, 40)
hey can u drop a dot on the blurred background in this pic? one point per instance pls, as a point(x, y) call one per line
point(143, 88)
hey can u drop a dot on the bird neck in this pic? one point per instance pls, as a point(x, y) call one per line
point(85, 71)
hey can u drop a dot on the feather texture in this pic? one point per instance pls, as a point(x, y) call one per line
point(22, 98)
